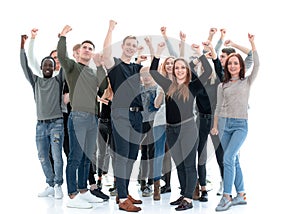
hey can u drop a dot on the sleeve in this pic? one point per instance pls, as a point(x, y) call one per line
point(218, 68)
point(255, 68)
point(170, 48)
point(32, 59)
point(26, 69)
point(158, 78)
point(249, 60)
point(219, 99)
point(102, 79)
point(65, 88)
point(218, 46)
point(62, 55)
point(207, 69)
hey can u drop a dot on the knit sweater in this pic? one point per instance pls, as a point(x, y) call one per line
point(82, 80)
point(232, 98)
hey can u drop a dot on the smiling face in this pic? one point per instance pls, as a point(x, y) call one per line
point(168, 65)
point(234, 66)
point(180, 71)
point(48, 67)
point(129, 47)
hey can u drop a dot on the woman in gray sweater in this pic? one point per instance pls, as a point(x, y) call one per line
point(231, 122)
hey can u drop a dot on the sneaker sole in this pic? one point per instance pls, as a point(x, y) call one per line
point(79, 207)
point(240, 203)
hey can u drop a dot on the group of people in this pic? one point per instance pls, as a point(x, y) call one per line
point(165, 110)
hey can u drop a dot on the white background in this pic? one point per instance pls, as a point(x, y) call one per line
point(270, 154)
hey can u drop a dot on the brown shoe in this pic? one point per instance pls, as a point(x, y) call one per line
point(134, 201)
point(196, 194)
point(128, 206)
point(156, 195)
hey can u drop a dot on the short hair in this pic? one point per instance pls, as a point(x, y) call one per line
point(130, 37)
point(228, 51)
point(88, 41)
point(76, 47)
point(48, 58)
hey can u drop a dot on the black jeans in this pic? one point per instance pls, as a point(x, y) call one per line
point(127, 133)
point(183, 144)
point(147, 153)
point(205, 125)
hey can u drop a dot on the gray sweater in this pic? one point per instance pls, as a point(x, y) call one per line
point(47, 91)
point(232, 98)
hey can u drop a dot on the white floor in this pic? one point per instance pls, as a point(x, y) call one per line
point(267, 190)
point(270, 174)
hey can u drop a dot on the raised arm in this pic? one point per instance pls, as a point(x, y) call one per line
point(182, 37)
point(171, 50)
point(247, 51)
point(149, 43)
point(255, 68)
point(212, 31)
point(31, 56)
point(24, 63)
point(107, 46)
point(101, 72)
point(62, 48)
point(158, 78)
point(220, 41)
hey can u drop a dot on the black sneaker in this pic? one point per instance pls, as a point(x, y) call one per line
point(204, 196)
point(99, 184)
point(178, 201)
point(98, 193)
point(184, 205)
point(165, 189)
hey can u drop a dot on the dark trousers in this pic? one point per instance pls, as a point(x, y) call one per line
point(183, 144)
point(147, 153)
point(127, 133)
point(205, 124)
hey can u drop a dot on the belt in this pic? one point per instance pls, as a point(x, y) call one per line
point(206, 116)
point(136, 109)
point(104, 120)
point(49, 120)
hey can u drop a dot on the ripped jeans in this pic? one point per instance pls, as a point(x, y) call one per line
point(51, 133)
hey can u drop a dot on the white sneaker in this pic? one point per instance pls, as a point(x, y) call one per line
point(49, 191)
point(58, 194)
point(77, 202)
point(89, 197)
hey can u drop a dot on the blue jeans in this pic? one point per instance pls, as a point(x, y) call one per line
point(232, 133)
point(47, 134)
point(159, 133)
point(83, 129)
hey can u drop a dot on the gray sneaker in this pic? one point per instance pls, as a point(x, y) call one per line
point(114, 192)
point(147, 192)
point(224, 204)
point(239, 200)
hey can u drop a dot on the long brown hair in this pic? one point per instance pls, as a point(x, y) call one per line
point(163, 66)
point(227, 75)
point(183, 89)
